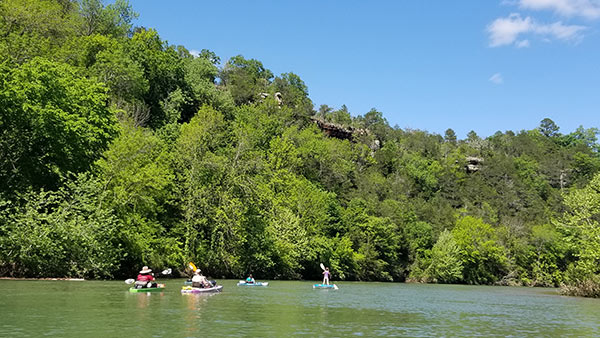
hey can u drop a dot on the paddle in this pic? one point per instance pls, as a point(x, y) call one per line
point(164, 272)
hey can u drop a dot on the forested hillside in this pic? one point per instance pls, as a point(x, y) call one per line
point(119, 150)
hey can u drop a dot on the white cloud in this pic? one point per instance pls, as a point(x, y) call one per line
point(522, 44)
point(560, 31)
point(589, 9)
point(195, 53)
point(505, 31)
point(496, 79)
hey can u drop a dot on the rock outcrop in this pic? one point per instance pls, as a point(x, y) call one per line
point(278, 97)
point(339, 131)
point(473, 164)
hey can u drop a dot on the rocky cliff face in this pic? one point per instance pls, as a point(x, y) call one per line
point(339, 131)
point(473, 164)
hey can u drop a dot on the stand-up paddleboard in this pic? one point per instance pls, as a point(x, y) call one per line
point(325, 286)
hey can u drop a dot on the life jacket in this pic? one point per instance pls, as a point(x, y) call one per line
point(145, 278)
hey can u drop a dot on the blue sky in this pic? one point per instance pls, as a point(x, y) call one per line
point(431, 65)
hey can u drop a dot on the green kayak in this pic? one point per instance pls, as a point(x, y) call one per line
point(158, 289)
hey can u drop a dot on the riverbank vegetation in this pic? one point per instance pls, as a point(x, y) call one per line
point(119, 150)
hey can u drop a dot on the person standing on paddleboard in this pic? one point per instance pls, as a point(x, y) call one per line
point(326, 275)
point(144, 279)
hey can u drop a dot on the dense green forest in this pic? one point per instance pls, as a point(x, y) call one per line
point(119, 150)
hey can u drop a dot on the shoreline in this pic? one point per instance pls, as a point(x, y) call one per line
point(57, 278)
point(296, 280)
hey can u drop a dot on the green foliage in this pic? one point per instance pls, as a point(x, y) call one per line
point(585, 167)
point(423, 174)
point(163, 69)
point(108, 60)
point(376, 123)
point(223, 165)
point(291, 242)
point(196, 167)
point(450, 136)
point(341, 116)
point(64, 233)
point(376, 242)
point(294, 94)
point(245, 79)
point(200, 75)
point(344, 260)
point(581, 227)
point(33, 28)
point(528, 171)
point(483, 258)
point(587, 137)
point(548, 128)
point(137, 178)
point(547, 255)
point(113, 19)
point(53, 122)
point(441, 264)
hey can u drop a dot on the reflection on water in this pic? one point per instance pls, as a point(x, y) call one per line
point(143, 299)
point(64, 309)
point(194, 303)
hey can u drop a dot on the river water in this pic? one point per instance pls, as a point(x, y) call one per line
point(291, 309)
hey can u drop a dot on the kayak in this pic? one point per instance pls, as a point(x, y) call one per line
point(243, 283)
point(325, 286)
point(189, 282)
point(160, 288)
point(189, 289)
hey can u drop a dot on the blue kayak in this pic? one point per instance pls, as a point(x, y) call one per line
point(325, 286)
point(243, 283)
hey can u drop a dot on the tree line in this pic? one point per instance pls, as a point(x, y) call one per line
point(118, 150)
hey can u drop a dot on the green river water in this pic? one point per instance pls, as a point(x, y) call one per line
point(291, 308)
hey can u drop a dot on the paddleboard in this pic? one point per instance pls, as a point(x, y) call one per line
point(325, 286)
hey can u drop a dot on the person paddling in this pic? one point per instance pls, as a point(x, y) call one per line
point(250, 279)
point(199, 281)
point(145, 279)
point(326, 275)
